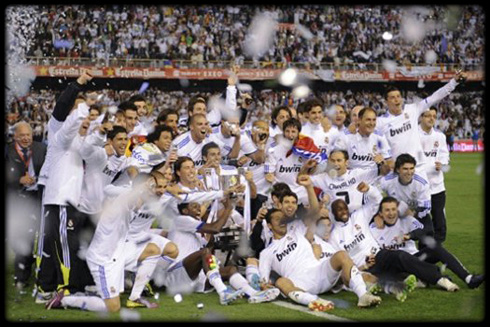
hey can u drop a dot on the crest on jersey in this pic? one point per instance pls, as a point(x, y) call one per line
point(436, 144)
point(326, 139)
point(70, 223)
point(357, 227)
point(300, 159)
point(406, 116)
point(375, 148)
point(414, 194)
point(113, 290)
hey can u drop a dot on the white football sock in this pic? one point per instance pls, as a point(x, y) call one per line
point(143, 276)
point(215, 280)
point(250, 271)
point(356, 283)
point(90, 303)
point(239, 282)
point(301, 297)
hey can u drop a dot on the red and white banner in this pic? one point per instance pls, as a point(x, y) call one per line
point(251, 74)
point(467, 146)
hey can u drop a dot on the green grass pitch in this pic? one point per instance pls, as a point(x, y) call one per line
point(465, 212)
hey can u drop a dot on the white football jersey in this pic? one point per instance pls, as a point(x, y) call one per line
point(354, 236)
point(290, 256)
point(185, 233)
point(402, 131)
point(327, 249)
point(286, 168)
point(435, 149)
point(188, 148)
point(386, 237)
point(246, 144)
point(324, 141)
point(362, 149)
point(258, 171)
point(107, 244)
point(345, 186)
point(415, 194)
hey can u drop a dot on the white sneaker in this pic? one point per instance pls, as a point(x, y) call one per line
point(368, 300)
point(264, 296)
point(447, 285)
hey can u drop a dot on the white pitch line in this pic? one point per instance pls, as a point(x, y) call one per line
point(306, 310)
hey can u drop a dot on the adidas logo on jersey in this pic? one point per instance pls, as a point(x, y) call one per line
point(406, 126)
point(288, 250)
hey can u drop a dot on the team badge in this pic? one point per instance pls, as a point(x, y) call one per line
point(414, 194)
point(357, 227)
point(375, 148)
point(436, 144)
point(70, 223)
point(406, 116)
point(326, 140)
point(300, 159)
point(113, 290)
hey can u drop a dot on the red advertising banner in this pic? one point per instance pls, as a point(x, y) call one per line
point(467, 146)
point(252, 74)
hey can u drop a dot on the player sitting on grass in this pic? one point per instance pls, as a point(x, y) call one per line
point(296, 258)
point(401, 233)
point(352, 234)
point(187, 231)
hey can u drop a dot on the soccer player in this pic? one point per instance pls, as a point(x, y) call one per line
point(399, 124)
point(155, 150)
point(110, 251)
point(437, 156)
point(296, 258)
point(278, 116)
point(314, 129)
point(234, 141)
point(367, 148)
point(190, 143)
point(339, 119)
point(187, 231)
point(352, 233)
point(66, 103)
point(102, 163)
point(170, 118)
point(341, 182)
point(411, 190)
point(64, 186)
point(254, 161)
point(282, 164)
point(401, 234)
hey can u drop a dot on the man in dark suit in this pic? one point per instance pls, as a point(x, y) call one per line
point(24, 158)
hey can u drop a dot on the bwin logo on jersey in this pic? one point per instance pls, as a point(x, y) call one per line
point(405, 127)
point(366, 157)
point(432, 154)
point(288, 250)
point(294, 169)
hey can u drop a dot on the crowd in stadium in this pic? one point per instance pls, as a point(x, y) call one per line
point(207, 34)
